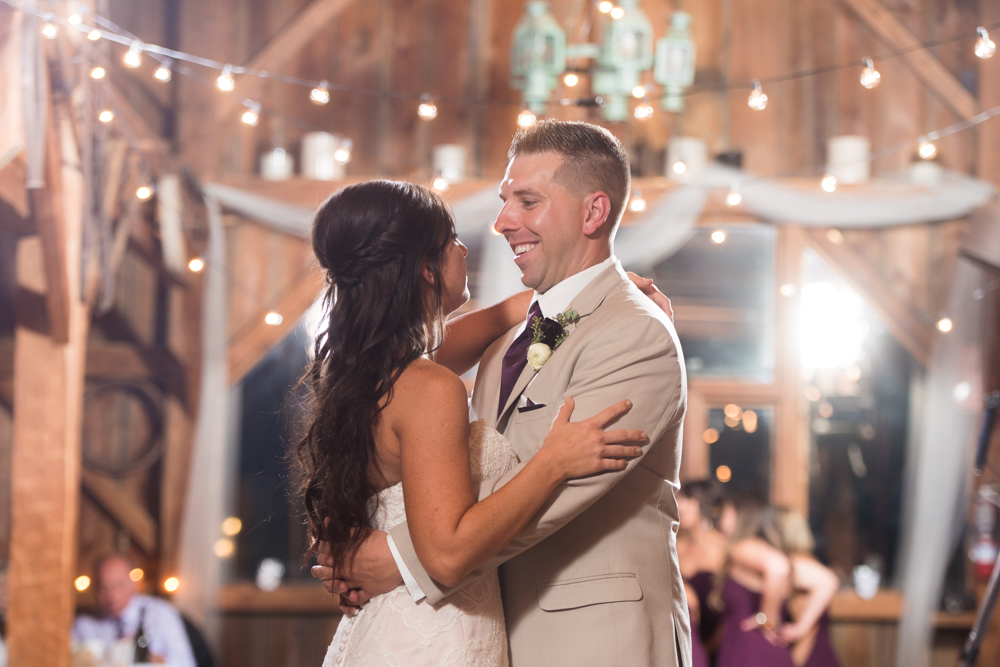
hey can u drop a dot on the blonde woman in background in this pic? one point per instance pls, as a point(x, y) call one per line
point(813, 587)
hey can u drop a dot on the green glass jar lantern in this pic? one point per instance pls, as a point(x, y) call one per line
point(537, 55)
point(627, 52)
point(675, 60)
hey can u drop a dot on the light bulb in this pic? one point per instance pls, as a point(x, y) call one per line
point(639, 92)
point(719, 236)
point(757, 99)
point(50, 29)
point(273, 318)
point(75, 18)
point(944, 325)
point(440, 183)
point(252, 115)
point(427, 109)
point(869, 75)
point(644, 111)
point(106, 116)
point(343, 154)
point(526, 119)
point(171, 584)
point(136, 574)
point(605, 6)
point(637, 204)
point(829, 183)
point(94, 35)
point(196, 265)
point(679, 167)
point(571, 79)
point(985, 47)
point(617, 13)
point(320, 95)
point(733, 198)
point(926, 150)
point(144, 192)
point(163, 73)
point(133, 57)
point(82, 583)
point(97, 73)
point(225, 81)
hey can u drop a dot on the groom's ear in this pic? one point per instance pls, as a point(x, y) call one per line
point(596, 209)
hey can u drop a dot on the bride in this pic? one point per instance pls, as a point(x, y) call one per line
point(389, 438)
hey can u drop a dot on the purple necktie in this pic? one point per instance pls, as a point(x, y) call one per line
point(516, 359)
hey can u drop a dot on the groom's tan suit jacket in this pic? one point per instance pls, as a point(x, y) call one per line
point(593, 579)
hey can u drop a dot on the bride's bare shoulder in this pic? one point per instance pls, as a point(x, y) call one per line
point(426, 384)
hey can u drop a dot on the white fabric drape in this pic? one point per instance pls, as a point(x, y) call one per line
point(947, 426)
point(199, 569)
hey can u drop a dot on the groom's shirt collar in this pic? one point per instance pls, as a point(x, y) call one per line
point(559, 296)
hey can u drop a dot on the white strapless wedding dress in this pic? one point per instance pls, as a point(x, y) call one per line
point(467, 628)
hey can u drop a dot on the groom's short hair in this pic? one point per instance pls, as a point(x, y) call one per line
point(593, 159)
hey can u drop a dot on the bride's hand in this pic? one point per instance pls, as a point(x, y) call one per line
point(578, 449)
point(647, 287)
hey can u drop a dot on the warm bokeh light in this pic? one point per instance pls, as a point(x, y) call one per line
point(427, 111)
point(832, 326)
point(97, 72)
point(144, 192)
point(617, 13)
point(679, 167)
point(944, 325)
point(835, 236)
point(137, 574)
point(171, 584)
point(639, 92)
point(750, 421)
point(526, 119)
point(723, 474)
point(854, 373)
point(163, 74)
point(82, 583)
point(273, 318)
point(825, 410)
point(829, 183)
point(231, 526)
point(440, 183)
point(196, 264)
point(813, 394)
point(718, 237)
point(733, 198)
point(710, 436)
point(788, 289)
point(637, 205)
point(605, 6)
point(733, 411)
point(224, 547)
point(572, 79)
point(106, 116)
point(927, 150)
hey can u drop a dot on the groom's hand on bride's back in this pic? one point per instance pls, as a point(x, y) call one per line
point(647, 287)
point(369, 571)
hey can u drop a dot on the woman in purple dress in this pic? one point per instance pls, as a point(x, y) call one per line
point(701, 552)
point(774, 603)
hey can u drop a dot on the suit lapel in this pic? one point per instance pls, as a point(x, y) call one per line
point(585, 303)
point(486, 396)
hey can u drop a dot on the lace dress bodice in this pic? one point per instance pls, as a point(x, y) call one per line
point(467, 628)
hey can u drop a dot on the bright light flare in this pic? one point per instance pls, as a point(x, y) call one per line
point(869, 75)
point(605, 6)
point(944, 325)
point(927, 150)
point(427, 111)
point(196, 265)
point(829, 183)
point(224, 547)
point(644, 111)
point(98, 73)
point(526, 119)
point(231, 526)
point(832, 328)
point(171, 584)
point(617, 13)
point(144, 192)
point(106, 116)
point(723, 474)
point(163, 74)
point(733, 198)
point(50, 30)
point(273, 318)
point(985, 47)
point(572, 79)
point(637, 205)
point(136, 574)
point(710, 436)
point(639, 92)
point(82, 583)
point(757, 100)
point(133, 57)
point(225, 82)
point(320, 95)
point(679, 167)
point(719, 236)
point(440, 183)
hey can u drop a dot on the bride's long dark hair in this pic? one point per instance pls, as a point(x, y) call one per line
point(374, 240)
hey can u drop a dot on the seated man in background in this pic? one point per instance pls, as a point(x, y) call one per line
point(121, 610)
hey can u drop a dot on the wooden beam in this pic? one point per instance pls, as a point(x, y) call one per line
point(790, 451)
point(280, 49)
point(923, 63)
point(901, 318)
point(45, 460)
point(48, 212)
point(248, 347)
point(126, 511)
point(12, 187)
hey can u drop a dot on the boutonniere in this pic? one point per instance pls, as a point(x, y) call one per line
point(547, 334)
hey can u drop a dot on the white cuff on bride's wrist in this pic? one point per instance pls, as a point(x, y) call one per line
point(412, 587)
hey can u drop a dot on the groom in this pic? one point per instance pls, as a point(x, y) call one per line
point(593, 579)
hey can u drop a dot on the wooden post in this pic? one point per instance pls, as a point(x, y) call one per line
point(48, 395)
point(790, 455)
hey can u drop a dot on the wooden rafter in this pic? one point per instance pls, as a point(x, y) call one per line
point(249, 347)
point(124, 510)
point(928, 68)
point(282, 47)
point(900, 317)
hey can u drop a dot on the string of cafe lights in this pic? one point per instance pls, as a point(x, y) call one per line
point(170, 61)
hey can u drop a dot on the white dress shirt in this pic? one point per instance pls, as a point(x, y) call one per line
point(161, 621)
point(552, 302)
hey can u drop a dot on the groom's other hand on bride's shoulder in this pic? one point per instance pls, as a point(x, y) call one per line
point(369, 571)
point(647, 287)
